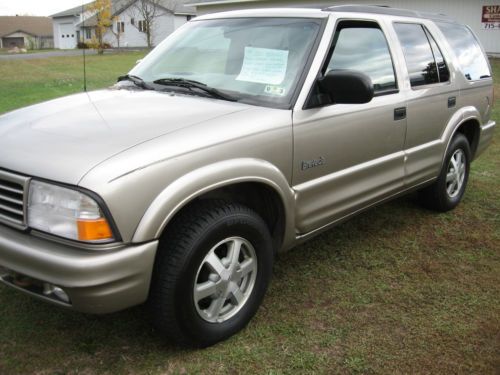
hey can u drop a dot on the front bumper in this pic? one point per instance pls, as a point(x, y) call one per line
point(485, 137)
point(96, 281)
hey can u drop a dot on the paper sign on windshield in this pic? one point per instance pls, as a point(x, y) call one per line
point(264, 65)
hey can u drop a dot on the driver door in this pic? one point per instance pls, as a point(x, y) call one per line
point(348, 156)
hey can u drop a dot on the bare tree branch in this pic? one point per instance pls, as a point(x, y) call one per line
point(150, 11)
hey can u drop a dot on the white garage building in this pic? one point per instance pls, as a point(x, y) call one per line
point(78, 25)
point(483, 16)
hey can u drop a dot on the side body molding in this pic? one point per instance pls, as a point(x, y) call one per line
point(197, 182)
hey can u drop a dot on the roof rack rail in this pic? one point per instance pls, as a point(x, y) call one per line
point(387, 10)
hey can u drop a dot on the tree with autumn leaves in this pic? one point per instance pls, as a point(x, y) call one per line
point(101, 10)
point(148, 10)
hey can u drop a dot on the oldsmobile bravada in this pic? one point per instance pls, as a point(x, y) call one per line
point(239, 136)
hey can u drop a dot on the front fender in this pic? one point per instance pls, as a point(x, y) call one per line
point(200, 181)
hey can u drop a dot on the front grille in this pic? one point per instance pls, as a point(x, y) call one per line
point(13, 199)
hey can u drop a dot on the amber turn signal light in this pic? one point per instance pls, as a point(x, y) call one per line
point(94, 230)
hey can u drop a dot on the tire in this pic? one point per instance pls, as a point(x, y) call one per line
point(196, 252)
point(447, 191)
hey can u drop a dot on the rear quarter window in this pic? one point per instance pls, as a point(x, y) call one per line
point(419, 56)
point(466, 48)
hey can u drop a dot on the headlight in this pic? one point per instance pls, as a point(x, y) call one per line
point(66, 213)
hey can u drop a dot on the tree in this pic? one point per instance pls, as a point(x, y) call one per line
point(104, 20)
point(118, 32)
point(149, 11)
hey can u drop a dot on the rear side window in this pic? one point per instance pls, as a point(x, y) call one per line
point(362, 46)
point(443, 72)
point(465, 46)
point(425, 64)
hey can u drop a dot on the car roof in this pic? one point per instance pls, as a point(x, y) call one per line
point(324, 13)
point(268, 12)
point(380, 9)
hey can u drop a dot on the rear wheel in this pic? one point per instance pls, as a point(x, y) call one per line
point(211, 273)
point(447, 191)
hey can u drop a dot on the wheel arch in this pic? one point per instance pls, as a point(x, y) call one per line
point(467, 122)
point(471, 129)
point(255, 183)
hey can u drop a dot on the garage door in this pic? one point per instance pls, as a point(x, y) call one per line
point(67, 37)
point(13, 42)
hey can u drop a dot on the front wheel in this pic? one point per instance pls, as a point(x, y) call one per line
point(211, 273)
point(447, 191)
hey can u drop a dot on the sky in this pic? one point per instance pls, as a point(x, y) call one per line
point(36, 7)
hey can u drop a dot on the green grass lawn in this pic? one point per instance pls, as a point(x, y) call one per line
point(26, 82)
point(398, 289)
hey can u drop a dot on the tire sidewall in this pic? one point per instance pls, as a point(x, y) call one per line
point(254, 230)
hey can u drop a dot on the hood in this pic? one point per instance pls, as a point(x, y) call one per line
point(64, 138)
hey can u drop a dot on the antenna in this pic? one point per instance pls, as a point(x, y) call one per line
point(83, 49)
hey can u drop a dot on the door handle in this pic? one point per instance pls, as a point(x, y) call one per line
point(399, 113)
point(452, 101)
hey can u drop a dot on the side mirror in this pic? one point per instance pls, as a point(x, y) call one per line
point(347, 86)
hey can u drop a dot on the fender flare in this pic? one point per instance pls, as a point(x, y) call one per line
point(458, 119)
point(208, 178)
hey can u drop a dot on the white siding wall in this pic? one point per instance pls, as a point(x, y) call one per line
point(179, 21)
point(465, 11)
point(132, 37)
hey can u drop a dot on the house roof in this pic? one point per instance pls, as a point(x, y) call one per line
point(70, 12)
point(119, 6)
point(182, 9)
point(196, 3)
point(36, 26)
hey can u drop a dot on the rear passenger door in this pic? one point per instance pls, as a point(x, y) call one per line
point(348, 156)
point(431, 97)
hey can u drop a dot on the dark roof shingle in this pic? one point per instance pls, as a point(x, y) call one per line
point(37, 26)
point(119, 6)
point(209, 2)
point(70, 12)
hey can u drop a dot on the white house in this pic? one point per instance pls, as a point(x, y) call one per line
point(78, 25)
point(483, 16)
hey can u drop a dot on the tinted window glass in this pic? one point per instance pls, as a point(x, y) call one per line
point(257, 60)
point(465, 46)
point(365, 49)
point(418, 54)
point(443, 72)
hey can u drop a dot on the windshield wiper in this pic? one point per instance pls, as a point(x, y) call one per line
point(138, 81)
point(190, 84)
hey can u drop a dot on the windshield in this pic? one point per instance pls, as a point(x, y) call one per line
point(256, 60)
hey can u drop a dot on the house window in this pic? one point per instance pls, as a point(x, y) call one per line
point(143, 26)
point(88, 34)
point(132, 21)
point(120, 27)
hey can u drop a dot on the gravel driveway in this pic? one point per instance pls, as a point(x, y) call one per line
point(44, 55)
